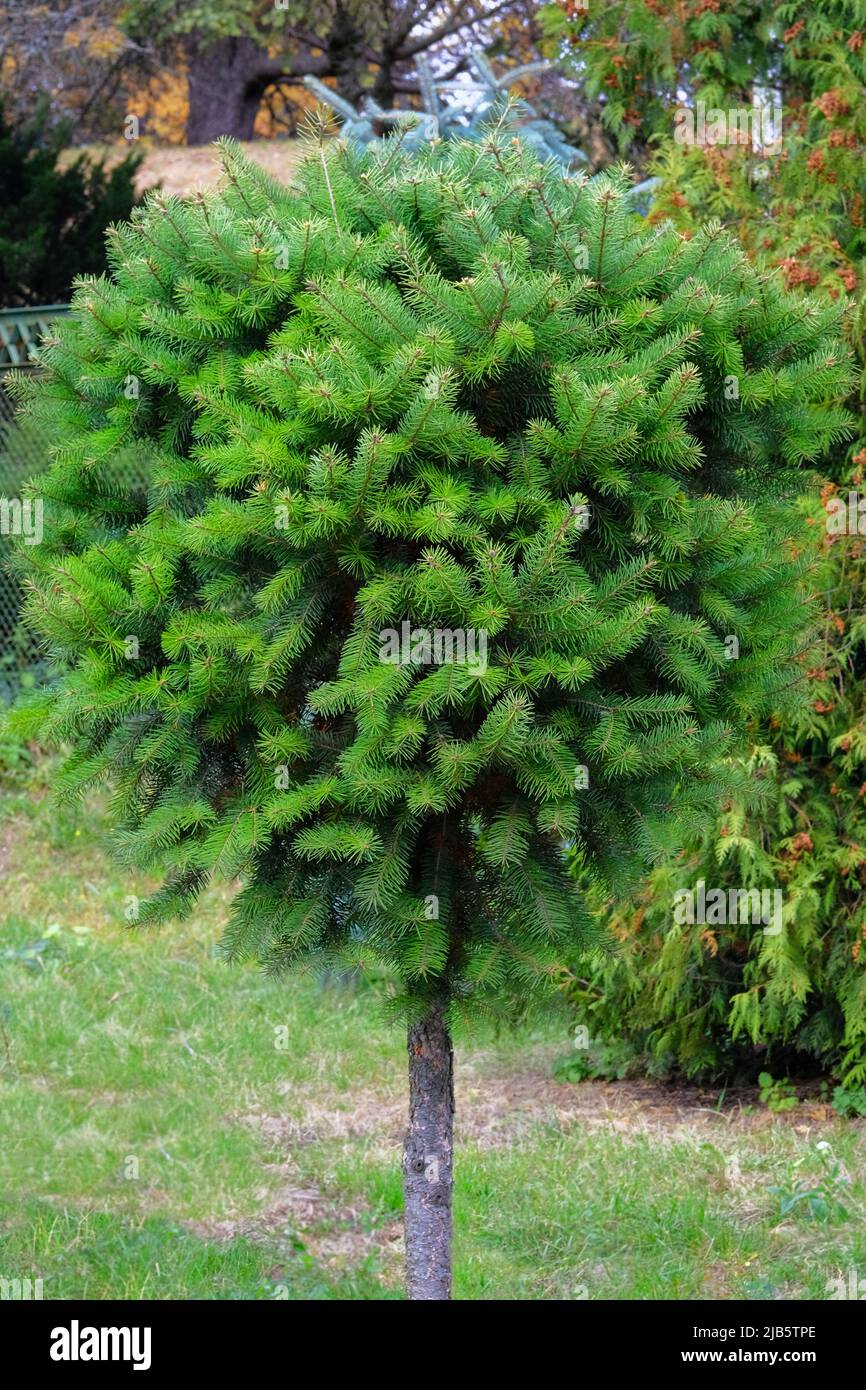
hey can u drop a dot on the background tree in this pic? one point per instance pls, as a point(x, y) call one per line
point(74, 53)
point(457, 395)
point(238, 68)
point(237, 53)
point(636, 61)
point(53, 216)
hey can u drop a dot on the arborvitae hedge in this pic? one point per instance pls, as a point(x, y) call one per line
point(730, 1000)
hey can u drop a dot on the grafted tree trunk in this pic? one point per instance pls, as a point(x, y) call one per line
point(428, 1158)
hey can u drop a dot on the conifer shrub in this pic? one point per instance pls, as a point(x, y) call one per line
point(449, 526)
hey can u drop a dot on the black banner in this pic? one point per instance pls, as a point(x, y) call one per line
point(60, 1339)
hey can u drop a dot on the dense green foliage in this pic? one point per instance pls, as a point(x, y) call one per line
point(53, 216)
point(728, 998)
point(818, 61)
point(637, 60)
point(391, 394)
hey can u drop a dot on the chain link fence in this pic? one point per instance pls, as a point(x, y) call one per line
point(23, 455)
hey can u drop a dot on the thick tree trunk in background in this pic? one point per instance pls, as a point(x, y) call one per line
point(226, 81)
point(383, 88)
point(347, 55)
point(428, 1158)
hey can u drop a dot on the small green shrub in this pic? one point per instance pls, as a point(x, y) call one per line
point(779, 1095)
point(849, 1103)
point(818, 1198)
point(600, 1061)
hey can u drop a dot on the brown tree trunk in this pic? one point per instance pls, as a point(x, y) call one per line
point(347, 55)
point(428, 1158)
point(383, 88)
point(226, 81)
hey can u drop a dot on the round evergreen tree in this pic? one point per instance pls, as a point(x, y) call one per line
point(464, 551)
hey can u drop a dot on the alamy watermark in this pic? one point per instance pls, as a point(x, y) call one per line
point(852, 1287)
point(756, 126)
point(437, 646)
point(77, 1343)
point(20, 1290)
point(846, 516)
point(22, 516)
point(717, 907)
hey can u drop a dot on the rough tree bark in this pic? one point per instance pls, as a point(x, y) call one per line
point(347, 55)
point(226, 81)
point(428, 1158)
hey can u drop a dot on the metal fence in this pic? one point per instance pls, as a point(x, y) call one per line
point(23, 455)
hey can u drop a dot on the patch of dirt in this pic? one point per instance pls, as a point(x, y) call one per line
point(362, 1114)
point(186, 169)
point(716, 1285)
point(338, 1236)
point(183, 169)
point(496, 1106)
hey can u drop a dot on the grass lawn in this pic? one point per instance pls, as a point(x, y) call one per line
point(175, 1127)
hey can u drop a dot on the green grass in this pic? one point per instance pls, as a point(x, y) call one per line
point(95, 1254)
point(162, 1139)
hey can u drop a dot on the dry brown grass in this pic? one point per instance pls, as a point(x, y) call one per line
point(183, 169)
